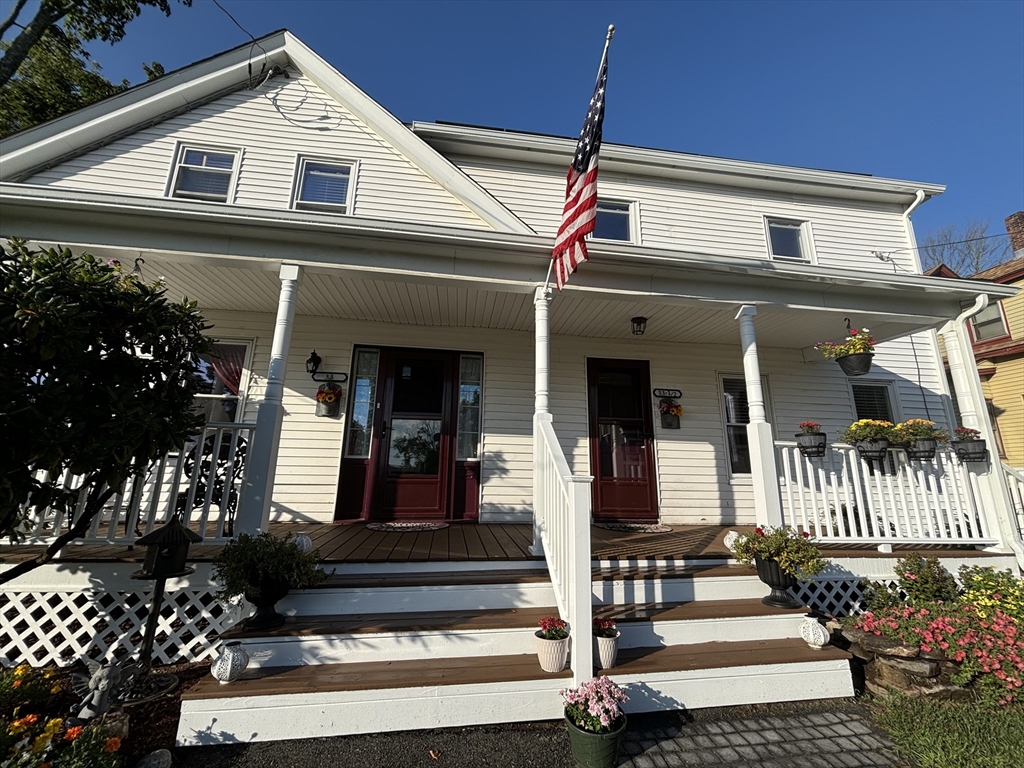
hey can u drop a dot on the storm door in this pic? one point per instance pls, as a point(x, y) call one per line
point(622, 441)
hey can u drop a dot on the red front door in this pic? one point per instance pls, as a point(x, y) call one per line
point(622, 441)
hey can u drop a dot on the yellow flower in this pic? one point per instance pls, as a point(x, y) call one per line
point(41, 743)
point(21, 670)
point(53, 726)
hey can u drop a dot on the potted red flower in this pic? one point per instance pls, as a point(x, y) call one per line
point(780, 555)
point(553, 644)
point(811, 440)
point(607, 638)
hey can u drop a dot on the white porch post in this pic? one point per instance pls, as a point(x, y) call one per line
point(541, 388)
point(995, 502)
point(254, 513)
point(765, 476)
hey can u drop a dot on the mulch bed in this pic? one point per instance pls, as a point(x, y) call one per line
point(154, 724)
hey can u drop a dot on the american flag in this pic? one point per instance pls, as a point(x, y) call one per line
point(580, 212)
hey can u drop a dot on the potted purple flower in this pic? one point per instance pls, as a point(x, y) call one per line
point(596, 722)
point(968, 445)
point(811, 440)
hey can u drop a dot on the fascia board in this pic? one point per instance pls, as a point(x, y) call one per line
point(148, 103)
point(279, 225)
point(553, 150)
point(429, 160)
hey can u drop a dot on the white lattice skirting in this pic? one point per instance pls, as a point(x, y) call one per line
point(42, 623)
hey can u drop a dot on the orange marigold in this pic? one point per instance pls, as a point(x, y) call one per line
point(73, 733)
point(113, 744)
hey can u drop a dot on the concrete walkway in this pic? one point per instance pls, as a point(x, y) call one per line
point(836, 734)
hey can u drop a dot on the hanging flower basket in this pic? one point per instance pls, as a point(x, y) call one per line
point(810, 441)
point(856, 365)
point(328, 399)
point(922, 449)
point(968, 445)
point(873, 450)
point(920, 438)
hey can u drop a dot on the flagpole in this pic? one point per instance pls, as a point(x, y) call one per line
point(604, 58)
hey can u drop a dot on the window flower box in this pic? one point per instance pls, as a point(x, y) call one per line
point(811, 441)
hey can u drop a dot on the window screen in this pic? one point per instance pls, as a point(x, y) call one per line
point(324, 185)
point(786, 239)
point(871, 401)
point(612, 221)
point(204, 174)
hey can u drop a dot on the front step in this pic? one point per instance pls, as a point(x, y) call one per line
point(438, 635)
point(371, 697)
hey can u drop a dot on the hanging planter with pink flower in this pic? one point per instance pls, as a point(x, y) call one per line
point(854, 355)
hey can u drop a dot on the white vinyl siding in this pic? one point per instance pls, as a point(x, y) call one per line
point(269, 124)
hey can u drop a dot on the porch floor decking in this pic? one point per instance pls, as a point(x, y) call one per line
point(471, 542)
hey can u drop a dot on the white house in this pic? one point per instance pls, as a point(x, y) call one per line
point(302, 216)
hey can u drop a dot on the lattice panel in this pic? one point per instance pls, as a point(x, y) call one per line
point(61, 627)
point(836, 597)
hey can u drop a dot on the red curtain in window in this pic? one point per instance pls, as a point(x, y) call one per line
point(227, 361)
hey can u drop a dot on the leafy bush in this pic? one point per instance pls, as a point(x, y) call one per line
point(249, 563)
point(796, 553)
point(989, 590)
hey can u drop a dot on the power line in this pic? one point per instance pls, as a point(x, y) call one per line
point(255, 44)
point(937, 245)
point(235, 21)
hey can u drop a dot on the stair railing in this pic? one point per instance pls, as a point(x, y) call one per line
point(1015, 484)
point(561, 509)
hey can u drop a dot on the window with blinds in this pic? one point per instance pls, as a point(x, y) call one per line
point(324, 186)
point(204, 174)
point(873, 401)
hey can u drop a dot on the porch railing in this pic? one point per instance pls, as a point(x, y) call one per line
point(1015, 483)
point(203, 481)
point(843, 498)
point(561, 509)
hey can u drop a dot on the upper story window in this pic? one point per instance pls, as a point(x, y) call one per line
point(989, 323)
point(788, 239)
point(324, 185)
point(206, 174)
point(614, 221)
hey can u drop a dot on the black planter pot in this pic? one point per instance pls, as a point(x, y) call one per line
point(922, 449)
point(872, 450)
point(266, 617)
point(812, 445)
point(856, 365)
point(771, 574)
point(970, 450)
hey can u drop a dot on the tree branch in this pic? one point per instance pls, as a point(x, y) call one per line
point(49, 13)
point(9, 21)
point(77, 531)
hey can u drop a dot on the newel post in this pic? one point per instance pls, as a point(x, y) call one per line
point(541, 388)
point(765, 475)
point(254, 511)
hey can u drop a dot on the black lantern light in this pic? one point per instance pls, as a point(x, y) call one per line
point(313, 369)
point(313, 363)
point(639, 325)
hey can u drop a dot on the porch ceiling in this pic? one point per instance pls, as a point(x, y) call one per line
point(350, 297)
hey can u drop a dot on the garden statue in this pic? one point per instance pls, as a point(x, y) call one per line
point(97, 689)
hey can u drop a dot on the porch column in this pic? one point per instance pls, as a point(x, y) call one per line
point(541, 388)
point(995, 502)
point(765, 476)
point(254, 512)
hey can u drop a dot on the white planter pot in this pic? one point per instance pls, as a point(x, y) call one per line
point(813, 633)
point(230, 664)
point(552, 654)
point(607, 650)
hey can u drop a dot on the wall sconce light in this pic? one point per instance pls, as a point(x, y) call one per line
point(639, 325)
point(313, 369)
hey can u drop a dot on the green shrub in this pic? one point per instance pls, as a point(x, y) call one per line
point(248, 563)
point(796, 553)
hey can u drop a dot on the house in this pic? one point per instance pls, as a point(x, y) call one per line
point(330, 245)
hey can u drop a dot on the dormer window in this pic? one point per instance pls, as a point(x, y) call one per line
point(205, 174)
point(614, 221)
point(788, 239)
point(324, 185)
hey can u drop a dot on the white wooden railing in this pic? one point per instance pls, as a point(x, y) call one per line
point(1015, 484)
point(561, 509)
point(180, 481)
point(843, 498)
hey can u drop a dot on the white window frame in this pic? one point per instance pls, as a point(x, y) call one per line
point(890, 386)
point(243, 382)
point(634, 220)
point(300, 166)
point(179, 157)
point(806, 239)
point(768, 411)
point(1006, 326)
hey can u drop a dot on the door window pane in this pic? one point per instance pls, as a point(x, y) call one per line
point(619, 394)
point(415, 446)
point(419, 386)
point(364, 397)
point(470, 387)
point(622, 450)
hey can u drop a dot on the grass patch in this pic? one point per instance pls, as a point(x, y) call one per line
point(948, 735)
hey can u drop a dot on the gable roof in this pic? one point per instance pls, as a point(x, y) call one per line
point(941, 270)
point(1002, 273)
point(29, 151)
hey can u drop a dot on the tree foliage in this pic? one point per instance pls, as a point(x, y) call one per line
point(965, 250)
point(83, 20)
point(98, 371)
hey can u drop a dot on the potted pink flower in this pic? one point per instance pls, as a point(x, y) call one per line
point(553, 644)
point(596, 722)
point(854, 355)
point(968, 444)
point(607, 638)
point(811, 440)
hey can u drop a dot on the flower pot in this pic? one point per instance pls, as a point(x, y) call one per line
point(553, 655)
point(856, 365)
point(266, 617)
point(230, 664)
point(607, 650)
point(922, 449)
point(813, 633)
point(595, 750)
point(328, 409)
point(970, 450)
point(772, 574)
point(669, 421)
point(872, 450)
point(812, 445)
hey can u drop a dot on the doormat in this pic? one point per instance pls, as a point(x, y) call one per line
point(635, 527)
point(406, 527)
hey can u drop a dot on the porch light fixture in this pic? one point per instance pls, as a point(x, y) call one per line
point(639, 325)
point(313, 369)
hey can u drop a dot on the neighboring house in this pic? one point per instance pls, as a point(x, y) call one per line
point(302, 216)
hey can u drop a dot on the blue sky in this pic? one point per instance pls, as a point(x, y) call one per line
point(928, 91)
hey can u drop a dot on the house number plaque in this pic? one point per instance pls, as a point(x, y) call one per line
point(671, 394)
point(669, 407)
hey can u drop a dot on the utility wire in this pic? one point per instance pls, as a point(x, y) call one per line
point(951, 242)
point(255, 44)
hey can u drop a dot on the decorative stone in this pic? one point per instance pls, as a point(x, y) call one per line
point(730, 540)
point(935, 653)
point(813, 633)
point(860, 653)
point(230, 664)
point(853, 634)
point(915, 667)
point(887, 647)
point(114, 725)
point(887, 675)
point(159, 759)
